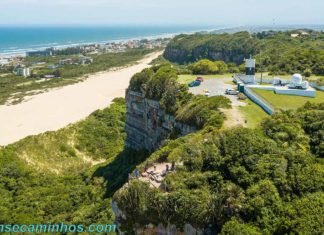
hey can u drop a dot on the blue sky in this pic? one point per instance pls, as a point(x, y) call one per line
point(161, 12)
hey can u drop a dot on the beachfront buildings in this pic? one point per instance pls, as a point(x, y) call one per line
point(22, 71)
point(65, 61)
point(46, 52)
point(85, 60)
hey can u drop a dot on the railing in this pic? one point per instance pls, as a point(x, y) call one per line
point(238, 77)
point(259, 101)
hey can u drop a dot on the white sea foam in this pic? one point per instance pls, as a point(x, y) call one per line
point(14, 51)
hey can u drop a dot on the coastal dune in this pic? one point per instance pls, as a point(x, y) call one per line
point(57, 108)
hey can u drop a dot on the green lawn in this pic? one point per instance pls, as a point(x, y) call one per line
point(186, 78)
point(288, 101)
point(252, 113)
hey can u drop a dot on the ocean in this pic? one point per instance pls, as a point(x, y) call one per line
point(18, 40)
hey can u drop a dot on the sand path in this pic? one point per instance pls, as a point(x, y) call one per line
point(59, 107)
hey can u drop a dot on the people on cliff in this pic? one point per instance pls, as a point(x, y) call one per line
point(137, 173)
point(173, 166)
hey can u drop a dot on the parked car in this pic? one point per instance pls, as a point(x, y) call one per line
point(194, 83)
point(231, 92)
point(200, 79)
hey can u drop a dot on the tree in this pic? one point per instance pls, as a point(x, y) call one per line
point(263, 205)
point(307, 72)
point(235, 227)
point(304, 215)
point(134, 201)
point(222, 67)
point(205, 67)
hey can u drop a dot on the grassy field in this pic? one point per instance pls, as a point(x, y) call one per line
point(288, 101)
point(252, 113)
point(186, 78)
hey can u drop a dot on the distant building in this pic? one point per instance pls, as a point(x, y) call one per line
point(299, 33)
point(85, 60)
point(66, 61)
point(4, 61)
point(46, 52)
point(22, 71)
point(52, 66)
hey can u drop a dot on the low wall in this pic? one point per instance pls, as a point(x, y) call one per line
point(259, 101)
point(314, 85)
point(310, 92)
point(267, 88)
point(270, 80)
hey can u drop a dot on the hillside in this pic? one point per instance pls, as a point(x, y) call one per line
point(276, 52)
point(267, 180)
point(53, 176)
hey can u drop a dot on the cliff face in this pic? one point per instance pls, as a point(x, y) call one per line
point(226, 47)
point(184, 56)
point(147, 125)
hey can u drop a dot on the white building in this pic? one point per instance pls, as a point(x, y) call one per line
point(249, 77)
point(85, 60)
point(22, 71)
point(297, 82)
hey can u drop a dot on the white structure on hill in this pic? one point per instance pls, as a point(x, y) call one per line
point(296, 86)
point(297, 82)
point(249, 77)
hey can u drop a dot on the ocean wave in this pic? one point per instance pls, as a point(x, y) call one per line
point(62, 45)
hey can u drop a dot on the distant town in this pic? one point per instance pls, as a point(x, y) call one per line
point(20, 65)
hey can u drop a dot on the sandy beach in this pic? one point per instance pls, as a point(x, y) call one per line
point(57, 108)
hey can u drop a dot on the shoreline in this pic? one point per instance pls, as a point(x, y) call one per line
point(22, 51)
point(57, 108)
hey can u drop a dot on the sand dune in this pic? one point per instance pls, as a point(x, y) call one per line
point(59, 107)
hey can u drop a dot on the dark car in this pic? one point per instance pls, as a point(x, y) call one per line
point(194, 83)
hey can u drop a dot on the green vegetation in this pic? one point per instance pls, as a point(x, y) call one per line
point(226, 47)
point(186, 78)
point(288, 101)
point(208, 67)
point(276, 52)
point(252, 113)
point(76, 147)
point(52, 177)
point(267, 180)
point(14, 88)
point(202, 111)
point(240, 181)
point(160, 83)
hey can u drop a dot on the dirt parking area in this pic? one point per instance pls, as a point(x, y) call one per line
point(215, 87)
point(218, 86)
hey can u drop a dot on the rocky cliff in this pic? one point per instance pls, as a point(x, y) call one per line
point(183, 56)
point(148, 125)
point(226, 47)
